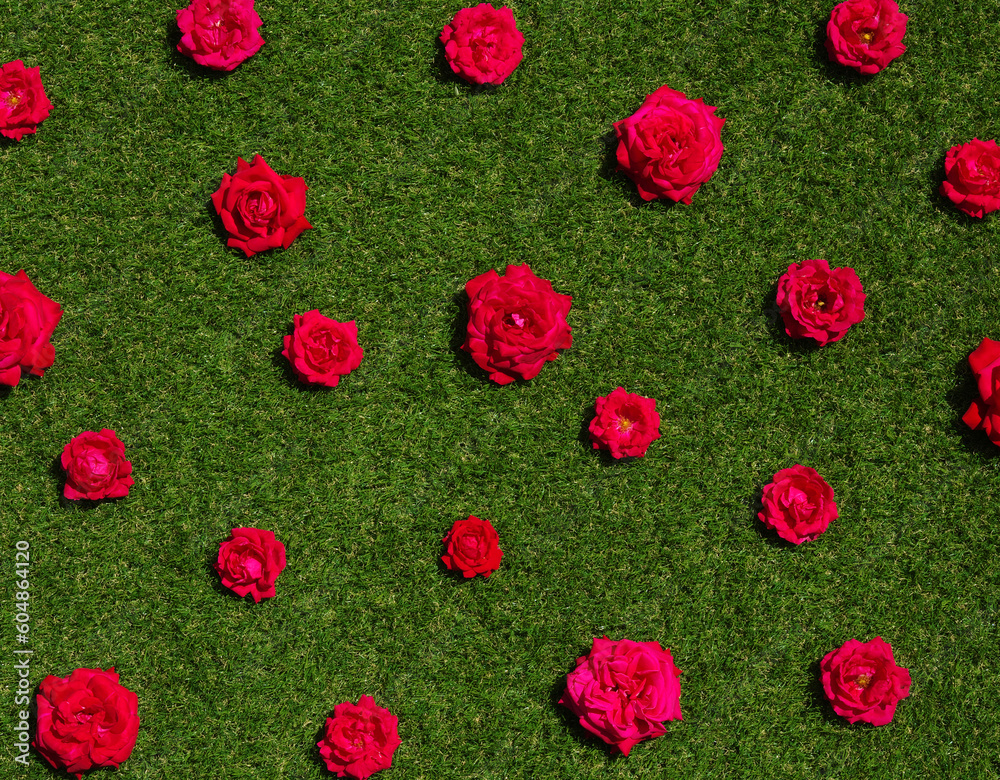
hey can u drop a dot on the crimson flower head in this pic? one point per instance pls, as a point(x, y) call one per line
point(625, 424)
point(359, 739)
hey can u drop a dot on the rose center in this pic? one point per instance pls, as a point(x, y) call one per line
point(516, 320)
point(13, 99)
point(625, 424)
point(867, 36)
point(863, 681)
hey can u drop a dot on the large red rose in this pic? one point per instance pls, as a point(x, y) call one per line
point(863, 682)
point(219, 34)
point(798, 504)
point(972, 172)
point(866, 34)
point(95, 466)
point(670, 146)
point(985, 411)
point(483, 44)
point(624, 691)
point(260, 209)
point(250, 561)
point(820, 302)
point(516, 323)
point(86, 720)
point(472, 546)
point(27, 321)
point(625, 423)
point(23, 103)
point(321, 350)
point(359, 739)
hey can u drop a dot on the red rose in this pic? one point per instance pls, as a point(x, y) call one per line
point(259, 208)
point(798, 504)
point(322, 350)
point(985, 411)
point(472, 547)
point(862, 681)
point(219, 33)
point(820, 302)
point(866, 34)
point(626, 423)
point(360, 739)
point(95, 466)
point(670, 146)
point(250, 561)
point(27, 320)
point(23, 103)
point(516, 323)
point(624, 691)
point(86, 720)
point(482, 44)
point(972, 180)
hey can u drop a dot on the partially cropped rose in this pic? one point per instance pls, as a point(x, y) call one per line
point(972, 172)
point(219, 34)
point(517, 322)
point(23, 102)
point(624, 691)
point(321, 350)
point(820, 302)
point(359, 739)
point(27, 321)
point(798, 504)
point(863, 682)
point(866, 34)
point(670, 146)
point(86, 720)
point(250, 561)
point(260, 209)
point(482, 44)
point(96, 467)
point(985, 411)
point(625, 423)
point(472, 546)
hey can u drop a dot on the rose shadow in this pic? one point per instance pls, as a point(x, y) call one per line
point(769, 537)
point(171, 36)
point(964, 391)
point(610, 173)
point(833, 70)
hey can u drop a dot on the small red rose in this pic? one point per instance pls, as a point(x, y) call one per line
point(866, 34)
point(626, 424)
point(260, 209)
point(322, 350)
point(95, 466)
point(972, 172)
point(23, 103)
point(472, 547)
point(863, 682)
point(250, 561)
point(985, 411)
point(482, 44)
point(798, 504)
point(219, 34)
point(27, 321)
point(359, 739)
point(820, 302)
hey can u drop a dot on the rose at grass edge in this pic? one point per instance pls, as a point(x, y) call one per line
point(27, 321)
point(984, 412)
point(359, 739)
point(624, 691)
point(95, 466)
point(670, 146)
point(820, 302)
point(321, 350)
point(517, 322)
point(863, 682)
point(85, 720)
point(23, 102)
point(472, 546)
point(260, 209)
point(624, 424)
point(798, 504)
point(865, 34)
point(482, 44)
point(972, 177)
point(219, 34)
point(250, 561)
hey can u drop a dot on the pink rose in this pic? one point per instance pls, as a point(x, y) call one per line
point(482, 44)
point(23, 103)
point(95, 466)
point(250, 561)
point(820, 302)
point(472, 547)
point(972, 180)
point(360, 739)
point(866, 34)
point(798, 504)
point(219, 34)
point(626, 424)
point(670, 146)
point(27, 321)
point(516, 323)
point(321, 350)
point(862, 681)
point(985, 411)
point(624, 691)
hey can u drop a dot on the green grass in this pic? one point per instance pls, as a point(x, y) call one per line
point(417, 183)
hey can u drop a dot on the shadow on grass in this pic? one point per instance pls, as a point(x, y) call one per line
point(755, 506)
point(964, 391)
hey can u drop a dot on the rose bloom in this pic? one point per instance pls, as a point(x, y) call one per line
point(472, 547)
point(972, 172)
point(516, 323)
point(23, 103)
point(360, 739)
point(624, 691)
point(250, 561)
point(626, 424)
point(260, 209)
point(95, 466)
point(985, 411)
point(866, 34)
point(219, 34)
point(670, 146)
point(820, 302)
point(86, 720)
point(863, 682)
point(482, 44)
point(798, 504)
point(27, 321)
point(321, 350)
